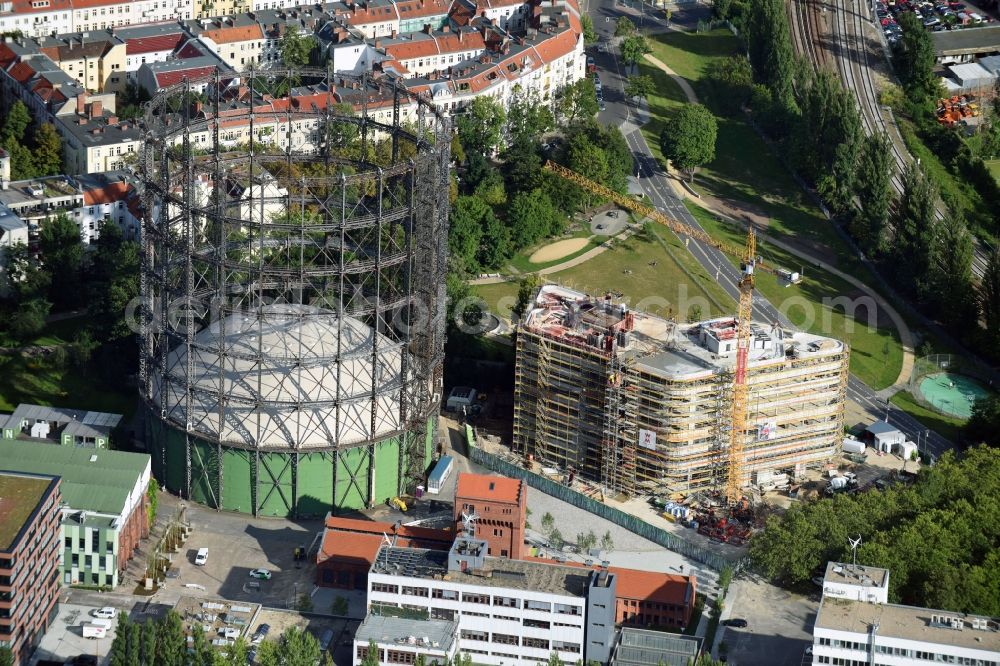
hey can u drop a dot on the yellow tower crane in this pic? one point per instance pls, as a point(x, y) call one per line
point(737, 459)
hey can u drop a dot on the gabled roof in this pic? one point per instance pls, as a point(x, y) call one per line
point(489, 488)
point(109, 193)
point(169, 78)
point(25, 7)
point(232, 34)
point(168, 42)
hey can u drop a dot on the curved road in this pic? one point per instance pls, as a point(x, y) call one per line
point(656, 183)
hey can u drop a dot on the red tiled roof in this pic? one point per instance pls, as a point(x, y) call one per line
point(21, 72)
point(84, 4)
point(417, 48)
point(190, 50)
point(645, 585)
point(7, 56)
point(234, 34)
point(556, 46)
point(24, 7)
point(361, 539)
point(378, 14)
point(409, 9)
point(481, 487)
point(152, 44)
point(167, 79)
point(107, 194)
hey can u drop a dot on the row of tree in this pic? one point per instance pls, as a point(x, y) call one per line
point(33, 153)
point(939, 537)
point(164, 642)
point(816, 123)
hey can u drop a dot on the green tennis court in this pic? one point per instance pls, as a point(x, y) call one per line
point(952, 393)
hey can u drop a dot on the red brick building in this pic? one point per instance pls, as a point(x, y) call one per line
point(29, 559)
point(501, 505)
point(349, 548)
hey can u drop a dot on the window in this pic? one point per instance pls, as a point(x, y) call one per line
point(538, 605)
point(471, 598)
point(415, 591)
point(537, 624)
point(450, 595)
point(562, 647)
point(400, 657)
point(383, 587)
point(506, 602)
point(472, 635)
point(442, 614)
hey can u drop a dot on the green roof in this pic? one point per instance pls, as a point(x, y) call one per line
point(20, 495)
point(92, 479)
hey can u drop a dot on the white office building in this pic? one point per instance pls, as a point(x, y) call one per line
point(856, 626)
point(507, 611)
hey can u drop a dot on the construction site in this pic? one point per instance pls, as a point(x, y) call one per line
point(645, 406)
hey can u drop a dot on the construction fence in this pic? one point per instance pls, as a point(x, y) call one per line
point(631, 523)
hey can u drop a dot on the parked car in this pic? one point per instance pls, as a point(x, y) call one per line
point(260, 634)
point(201, 557)
point(231, 633)
point(106, 613)
point(591, 64)
point(325, 640)
point(262, 574)
point(736, 622)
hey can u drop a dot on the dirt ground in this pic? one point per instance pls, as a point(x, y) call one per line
point(558, 250)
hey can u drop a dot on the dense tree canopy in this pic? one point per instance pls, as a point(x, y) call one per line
point(688, 139)
point(578, 101)
point(296, 48)
point(874, 187)
point(481, 126)
point(915, 58)
point(939, 537)
point(62, 256)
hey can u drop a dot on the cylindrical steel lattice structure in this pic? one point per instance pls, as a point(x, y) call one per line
point(293, 302)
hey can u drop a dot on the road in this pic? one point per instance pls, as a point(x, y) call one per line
point(655, 183)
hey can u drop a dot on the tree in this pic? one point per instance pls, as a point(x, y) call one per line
point(147, 645)
point(296, 49)
point(634, 47)
point(983, 425)
point(531, 217)
point(237, 654)
point(528, 118)
point(6, 656)
point(371, 655)
point(339, 606)
point(24, 274)
point(130, 102)
point(874, 189)
point(578, 101)
point(526, 288)
point(299, 648)
point(457, 152)
point(915, 57)
point(28, 319)
point(171, 645)
point(640, 86)
point(481, 125)
point(202, 653)
point(491, 189)
point(153, 495)
point(950, 288)
point(730, 82)
point(114, 282)
point(770, 50)
point(624, 27)
point(522, 166)
point(989, 297)
point(62, 255)
point(495, 247)
point(118, 655)
point(912, 230)
point(342, 135)
point(48, 151)
point(607, 542)
point(15, 125)
point(688, 140)
point(548, 523)
point(587, 25)
point(586, 541)
point(556, 539)
point(465, 232)
point(22, 162)
point(725, 578)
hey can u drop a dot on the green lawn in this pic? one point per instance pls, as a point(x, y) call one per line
point(744, 169)
point(34, 381)
point(994, 167)
point(876, 352)
point(500, 297)
point(946, 426)
point(661, 289)
point(55, 333)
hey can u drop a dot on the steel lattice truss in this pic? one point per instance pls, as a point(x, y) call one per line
point(293, 293)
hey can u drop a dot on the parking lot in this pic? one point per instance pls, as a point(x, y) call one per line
point(64, 639)
point(779, 624)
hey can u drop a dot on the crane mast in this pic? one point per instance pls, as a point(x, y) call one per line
point(736, 463)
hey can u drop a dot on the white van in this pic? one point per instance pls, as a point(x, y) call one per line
point(202, 557)
point(106, 613)
point(107, 624)
point(229, 632)
point(93, 631)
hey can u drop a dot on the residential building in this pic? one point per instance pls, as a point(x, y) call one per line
point(501, 507)
point(94, 139)
point(855, 624)
point(96, 60)
point(68, 427)
point(507, 611)
point(35, 18)
point(640, 404)
point(29, 559)
point(104, 507)
point(349, 547)
point(402, 640)
point(238, 39)
point(149, 43)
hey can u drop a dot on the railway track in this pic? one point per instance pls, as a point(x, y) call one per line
point(854, 62)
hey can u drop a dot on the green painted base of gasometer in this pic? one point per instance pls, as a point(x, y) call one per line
point(282, 483)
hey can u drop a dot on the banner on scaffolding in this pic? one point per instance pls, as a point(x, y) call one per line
point(647, 439)
point(767, 431)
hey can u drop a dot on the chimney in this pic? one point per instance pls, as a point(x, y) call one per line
point(427, 28)
point(393, 34)
point(113, 120)
point(378, 43)
point(446, 28)
point(96, 109)
point(461, 36)
point(81, 103)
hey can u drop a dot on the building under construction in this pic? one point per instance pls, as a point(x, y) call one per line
point(642, 404)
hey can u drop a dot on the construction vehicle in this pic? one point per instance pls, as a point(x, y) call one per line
point(735, 471)
point(397, 503)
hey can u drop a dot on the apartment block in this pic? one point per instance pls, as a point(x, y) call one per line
point(29, 559)
point(641, 404)
point(855, 624)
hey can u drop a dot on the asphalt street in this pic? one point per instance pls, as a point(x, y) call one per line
point(655, 183)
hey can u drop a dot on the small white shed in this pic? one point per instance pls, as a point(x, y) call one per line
point(885, 437)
